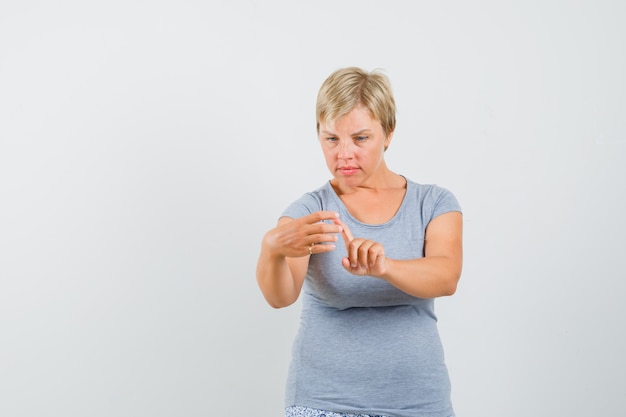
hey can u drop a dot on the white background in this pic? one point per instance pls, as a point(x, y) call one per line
point(146, 147)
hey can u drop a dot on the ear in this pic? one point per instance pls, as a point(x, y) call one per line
point(388, 140)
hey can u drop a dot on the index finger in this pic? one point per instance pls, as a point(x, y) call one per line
point(321, 215)
point(345, 231)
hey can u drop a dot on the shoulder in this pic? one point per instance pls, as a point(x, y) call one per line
point(310, 202)
point(433, 197)
point(317, 196)
point(426, 190)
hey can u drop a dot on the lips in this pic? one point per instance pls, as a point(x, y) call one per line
point(348, 170)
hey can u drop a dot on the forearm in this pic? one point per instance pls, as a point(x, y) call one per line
point(429, 277)
point(276, 281)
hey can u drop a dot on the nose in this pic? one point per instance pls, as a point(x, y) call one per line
point(345, 150)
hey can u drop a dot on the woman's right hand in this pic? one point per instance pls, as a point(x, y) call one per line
point(285, 252)
point(304, 236)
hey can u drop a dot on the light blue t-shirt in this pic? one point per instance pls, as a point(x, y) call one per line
point(364, 346)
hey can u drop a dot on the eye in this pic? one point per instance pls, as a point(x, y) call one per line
point(361, 138)
point(331, 139)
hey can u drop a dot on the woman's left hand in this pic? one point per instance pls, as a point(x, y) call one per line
point(365, 257)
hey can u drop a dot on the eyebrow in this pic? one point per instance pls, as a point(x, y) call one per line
point(358, 132)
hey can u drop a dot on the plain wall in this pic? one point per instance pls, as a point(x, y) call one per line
point(146, 147)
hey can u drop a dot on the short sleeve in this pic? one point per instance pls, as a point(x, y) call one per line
point(304, 206)
point(444, 202)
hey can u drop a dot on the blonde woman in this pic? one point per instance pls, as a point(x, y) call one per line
point(369, 252)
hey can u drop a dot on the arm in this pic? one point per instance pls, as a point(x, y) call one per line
point(285, 252)
point(434, 275)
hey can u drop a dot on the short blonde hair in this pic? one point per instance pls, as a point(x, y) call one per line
point(351, 87)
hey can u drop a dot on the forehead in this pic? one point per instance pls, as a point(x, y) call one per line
point(358, 117)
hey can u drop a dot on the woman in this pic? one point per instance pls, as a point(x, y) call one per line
point(369, 250)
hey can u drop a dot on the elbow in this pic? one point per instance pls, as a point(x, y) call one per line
point(450, 289)
point(451, 284)
point(273, 296)
point(278, 303)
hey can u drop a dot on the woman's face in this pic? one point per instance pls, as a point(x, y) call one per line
point(354, 147)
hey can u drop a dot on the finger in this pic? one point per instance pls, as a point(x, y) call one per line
point(346, 233)
point(345, 262)
point(322, 232)
point(376, 254)
point(321, 248)
point(316, 226)
point(323, 227)
point(319, 216)
point(317, 238)
point(366, 254)
point(350, 261)
point(353, 251)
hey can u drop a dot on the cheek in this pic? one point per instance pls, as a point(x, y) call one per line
point(327, 157)
point(329, 153)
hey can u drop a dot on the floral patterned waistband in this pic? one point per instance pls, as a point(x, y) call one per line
point(297, 411)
